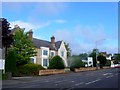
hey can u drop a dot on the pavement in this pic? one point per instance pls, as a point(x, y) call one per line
point(105, 78)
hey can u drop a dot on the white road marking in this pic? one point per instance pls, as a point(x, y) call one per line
point(60, 81)
point(70, 88)
point(109, 76)
point(72, 81)
point(92, 81)
point(79, 83)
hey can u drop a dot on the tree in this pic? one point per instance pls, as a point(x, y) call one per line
point(83, 56)
point(116, 58)
point(23, 47)
point(93, 54)
point(6, 34)
point(56, 63)
point(102, 59)
point(68, 49)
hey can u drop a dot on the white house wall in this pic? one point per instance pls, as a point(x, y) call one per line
point(62, 48)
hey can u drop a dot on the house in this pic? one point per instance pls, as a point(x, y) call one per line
point(47, 49)
point(89, 62)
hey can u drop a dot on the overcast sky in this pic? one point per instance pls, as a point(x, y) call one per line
point(80, 24)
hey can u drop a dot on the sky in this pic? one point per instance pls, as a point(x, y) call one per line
point(84, 25)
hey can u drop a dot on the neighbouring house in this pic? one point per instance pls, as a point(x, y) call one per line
point(89, 62)
point(47, 49)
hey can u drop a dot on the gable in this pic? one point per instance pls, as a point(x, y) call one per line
point(62, 46)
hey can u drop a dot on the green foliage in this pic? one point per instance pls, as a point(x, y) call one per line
point(10, 62)
point(23, 47)
point(117, 58)
point(102, 59)
point(6, 33)
point(68, 49)
point(30, 69)
point(76, 63)
point(4, 77)
point(83, 56)
point(56, 63)
point(108, 63)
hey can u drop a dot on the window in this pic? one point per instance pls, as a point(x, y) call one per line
point(62, 53)
point(45, 62)
point(45, 52)
point(52, 54)
point(32, 60)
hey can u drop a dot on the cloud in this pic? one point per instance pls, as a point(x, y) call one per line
point(60, 21)
point(28, 25)
point(82, 39)
point(50, 8)
point(91, 34)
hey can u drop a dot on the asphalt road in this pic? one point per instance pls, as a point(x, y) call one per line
point(105, 78)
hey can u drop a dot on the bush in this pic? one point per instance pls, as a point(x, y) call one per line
point(108, 63)
point(30, 69)
point(76, 63)
point(10, 62)
point(56, 63)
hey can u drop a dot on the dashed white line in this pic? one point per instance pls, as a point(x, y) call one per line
point(72, 81)
point(60, 81)
point(109, 76)
point(79, 83)
point(92, 81)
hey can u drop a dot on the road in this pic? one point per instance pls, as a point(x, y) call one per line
point(105, 78)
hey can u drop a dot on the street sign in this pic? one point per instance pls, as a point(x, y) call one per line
point(2, 64)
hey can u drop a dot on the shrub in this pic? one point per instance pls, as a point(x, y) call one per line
point(30, 69)
point(108, 63)
point(10, 62)
point(56, 63)
point(76, 63)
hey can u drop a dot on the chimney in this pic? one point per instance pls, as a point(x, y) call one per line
point(30, 34)
point(53, 41)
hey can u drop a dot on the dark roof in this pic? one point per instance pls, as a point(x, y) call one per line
point(43, 43)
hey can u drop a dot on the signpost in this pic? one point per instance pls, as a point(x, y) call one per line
point(2, 64)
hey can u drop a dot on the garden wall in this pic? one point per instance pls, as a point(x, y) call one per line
point(51, 71)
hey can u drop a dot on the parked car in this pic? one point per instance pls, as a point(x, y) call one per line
point(117, 66)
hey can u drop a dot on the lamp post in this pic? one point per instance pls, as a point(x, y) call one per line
point(96, 51)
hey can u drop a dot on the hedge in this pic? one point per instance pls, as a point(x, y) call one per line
point(30, 69)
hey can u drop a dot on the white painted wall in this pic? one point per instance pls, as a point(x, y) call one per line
point(90, 59)
point(62, 48)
